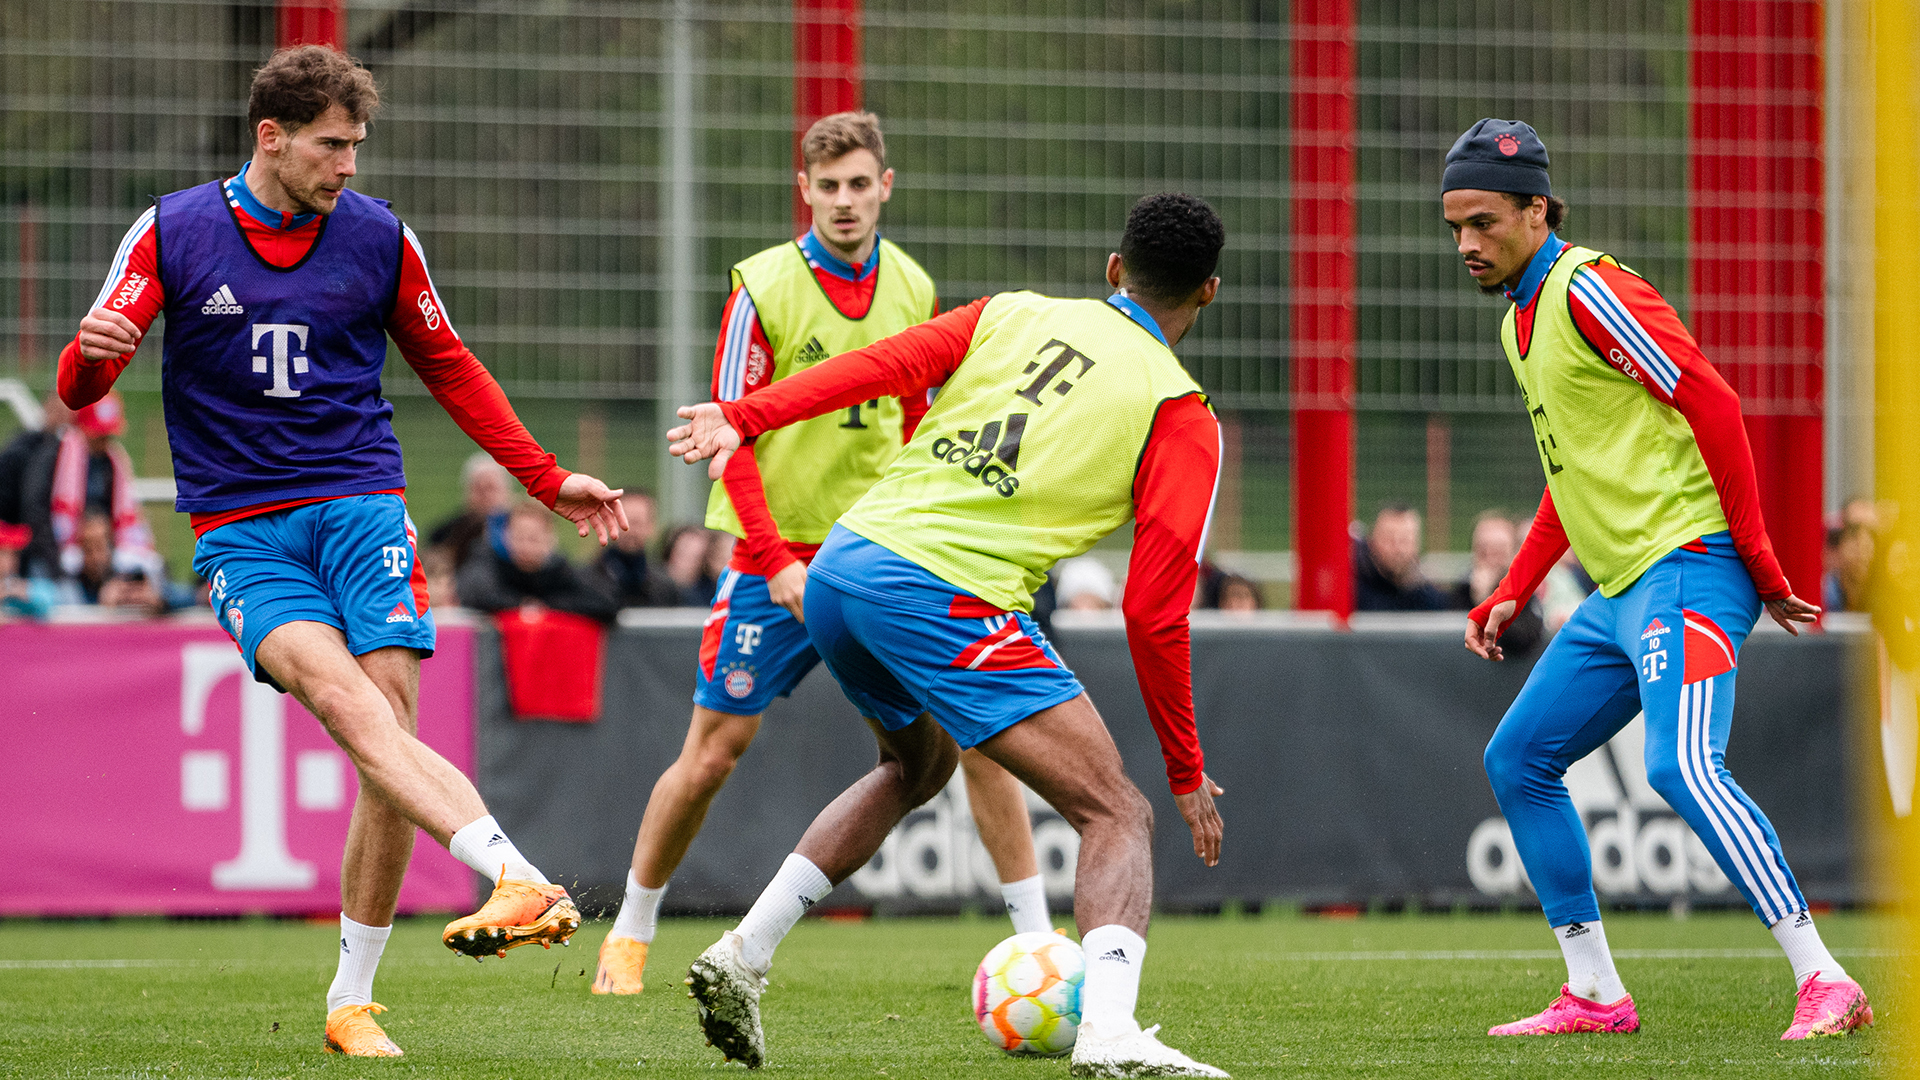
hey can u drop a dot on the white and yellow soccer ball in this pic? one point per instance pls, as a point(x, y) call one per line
point(1026, 994)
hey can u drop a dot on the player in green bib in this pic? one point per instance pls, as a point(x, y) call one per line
point(838, 287)
point(1056, 422)
point(1651, 482)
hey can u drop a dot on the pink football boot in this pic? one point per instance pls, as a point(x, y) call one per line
point(1829, 1008)
point(1569, 1014)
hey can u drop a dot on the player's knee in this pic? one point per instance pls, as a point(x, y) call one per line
point(1505, 763)
point(709, 769)
point(1665, 776)
point(928, 777)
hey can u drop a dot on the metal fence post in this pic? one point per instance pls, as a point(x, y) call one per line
point(682, 488)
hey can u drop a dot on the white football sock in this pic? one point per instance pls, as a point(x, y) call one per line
point(798, 886)
point(1590, 972)
point(1805, 951)
point(639, 912)
point(1027, 905)
point(484, 846)
point(1112, 985)
point(360, 949)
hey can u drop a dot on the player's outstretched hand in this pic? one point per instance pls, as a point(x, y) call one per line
point(706, 435)
point(106, 334)
point(1485, 640)
point(789, 588)
point(1792, 610)
point(590, 504)
point(1203, 818)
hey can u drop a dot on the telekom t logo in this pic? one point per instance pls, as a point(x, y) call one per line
point(747, 636)
point(395, 560)
point(280, 333)
point(264, 860)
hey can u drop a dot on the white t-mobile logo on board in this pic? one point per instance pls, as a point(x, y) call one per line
point(281, 358)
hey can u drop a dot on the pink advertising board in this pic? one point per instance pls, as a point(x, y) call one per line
point(146, 772)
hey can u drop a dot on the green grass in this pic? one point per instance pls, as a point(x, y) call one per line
point(1259, 996)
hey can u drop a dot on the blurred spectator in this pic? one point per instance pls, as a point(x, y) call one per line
point(689, 563)
point(1495, 541)
point(114, 577)
point(51, 478)
point(1083, 583)
point(1239, 593)
point(534, 574)
point(21, 597)
point(1849, 559)
point(1386, 565)
point(635, 581)
point(1566, 588)
point(487, 495)
point(437, 565)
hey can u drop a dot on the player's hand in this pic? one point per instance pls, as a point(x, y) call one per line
point(1792, 610)
point(1485, 641)
point(789, 588)
point(707, 435)
point(1203, 818)
point(590, 504)
point(106, 334)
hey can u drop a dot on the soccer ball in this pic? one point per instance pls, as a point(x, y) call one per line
point(1026, 994)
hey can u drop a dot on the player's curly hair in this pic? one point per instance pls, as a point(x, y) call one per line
point(296, 85)
point(1171, 246)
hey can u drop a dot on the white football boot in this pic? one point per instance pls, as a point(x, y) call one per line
point(1138, 1054)
point(728, 992)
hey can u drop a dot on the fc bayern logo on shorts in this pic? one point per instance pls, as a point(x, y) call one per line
point(233, 616)
point(739, 682)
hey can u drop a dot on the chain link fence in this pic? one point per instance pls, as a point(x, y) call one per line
point(527, 144)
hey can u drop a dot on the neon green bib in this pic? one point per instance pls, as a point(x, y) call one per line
point(1626, 474)
point(1028, 455)
point(814, 470)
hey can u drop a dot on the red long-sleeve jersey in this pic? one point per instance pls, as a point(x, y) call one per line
point(1644, 339)
point(418, 325)
point(1173, 495)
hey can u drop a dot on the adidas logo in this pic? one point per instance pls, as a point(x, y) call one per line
point(496, 840)
point(1803, 920)
point(343, 947)
point(813, 353)
point(1654, 629)
point(400, 614)
point(1576, 929)
point(222, 303)
point(1119, 955)
point(807, 902)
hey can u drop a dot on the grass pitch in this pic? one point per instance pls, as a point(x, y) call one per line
point(1293, 996)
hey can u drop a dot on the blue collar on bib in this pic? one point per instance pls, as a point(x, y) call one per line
point(241, 197)
point(821, 257)
point(1138, 314)
point(1537, 269)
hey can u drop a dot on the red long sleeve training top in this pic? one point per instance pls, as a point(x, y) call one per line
point(1710, 407)
point(1173, 494)
point(418, 325)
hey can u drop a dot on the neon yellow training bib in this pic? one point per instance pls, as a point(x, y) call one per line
point(814, 470)
point(1626, 474)
point(1029, 453)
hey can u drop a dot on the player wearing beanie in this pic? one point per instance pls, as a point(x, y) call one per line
point(1651, 482)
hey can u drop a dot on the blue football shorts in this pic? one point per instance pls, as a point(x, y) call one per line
point(349, 563)
point(902, 642)
point(752, 651)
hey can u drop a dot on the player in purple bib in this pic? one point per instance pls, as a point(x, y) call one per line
point(280, 289)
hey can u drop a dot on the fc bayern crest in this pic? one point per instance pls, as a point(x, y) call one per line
point(739, 682)
point(233, 616)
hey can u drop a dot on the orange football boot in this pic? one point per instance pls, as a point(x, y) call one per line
point(518, 913)
point(352, 1031)
point(622, 961)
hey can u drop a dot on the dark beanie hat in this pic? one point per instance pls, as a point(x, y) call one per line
point(1498, 155)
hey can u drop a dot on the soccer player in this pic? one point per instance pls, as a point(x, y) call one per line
point(280, 287)
point(1057, 421)
point(838, 287)
point(1650, 480)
